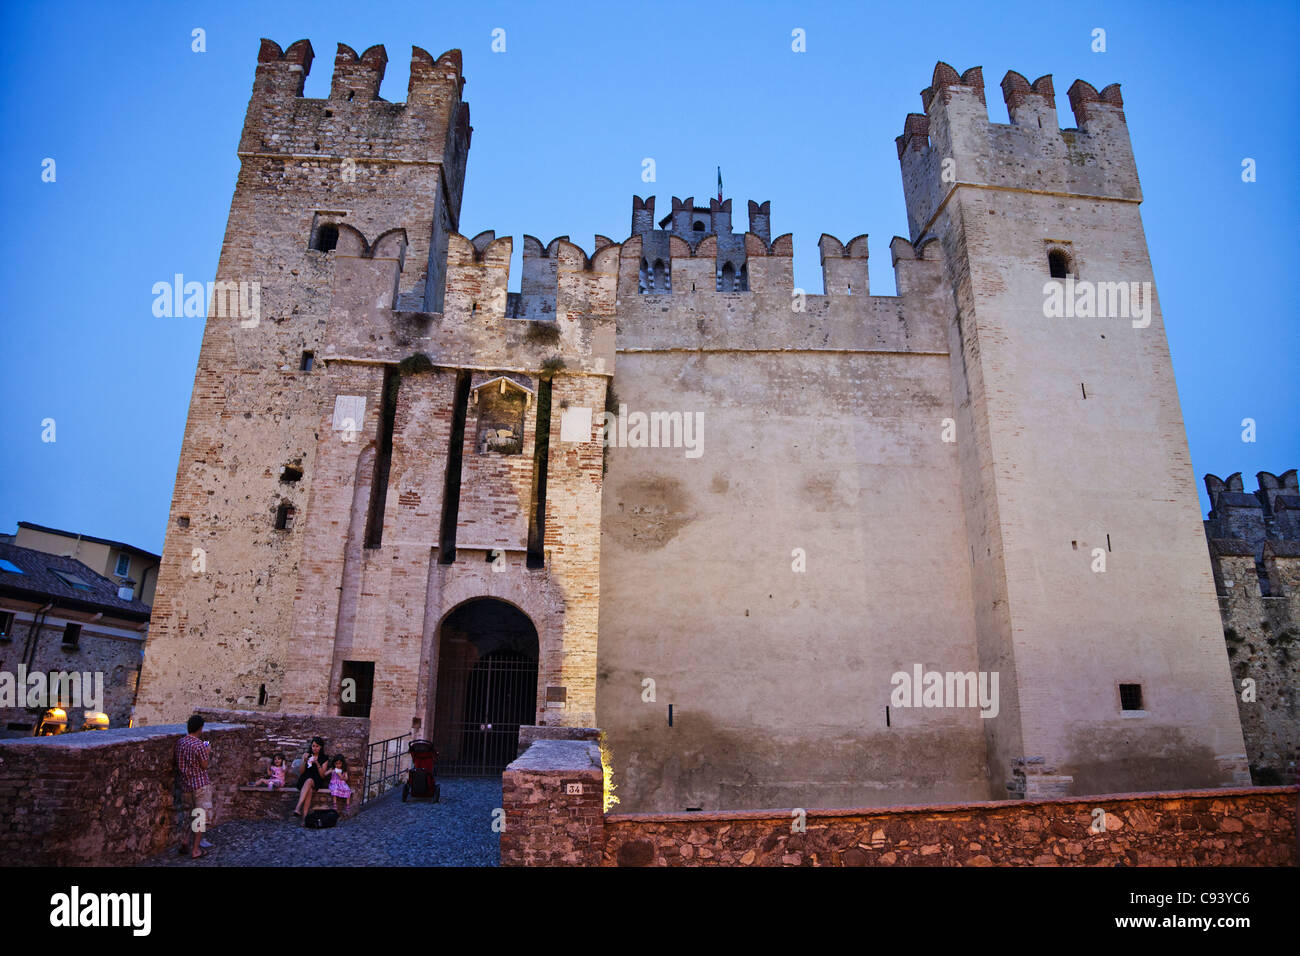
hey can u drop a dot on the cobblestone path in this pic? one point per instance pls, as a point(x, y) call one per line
point(454, 832)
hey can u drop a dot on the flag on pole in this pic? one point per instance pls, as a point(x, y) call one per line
point(719, 184)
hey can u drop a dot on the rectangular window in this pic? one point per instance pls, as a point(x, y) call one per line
point(1130, 696)
point(6, 626)
point(71, 635)
point(308, 359)
point(284, 518)
point(123, 565)
point(357, 688)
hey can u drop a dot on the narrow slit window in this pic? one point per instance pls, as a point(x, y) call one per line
point(451, 484)
point(383, 461)
point(284, 517)
point(308, 360)
point(536, 557)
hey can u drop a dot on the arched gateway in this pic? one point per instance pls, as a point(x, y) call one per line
point(487, 686)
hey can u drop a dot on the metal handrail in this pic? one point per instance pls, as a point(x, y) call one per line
point(388, 757)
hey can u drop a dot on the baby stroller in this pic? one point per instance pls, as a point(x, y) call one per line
point(419, 779)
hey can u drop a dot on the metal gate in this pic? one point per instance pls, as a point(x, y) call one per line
point(481, 708)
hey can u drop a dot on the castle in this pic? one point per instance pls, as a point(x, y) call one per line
point(397, 496)
point(1254, 544)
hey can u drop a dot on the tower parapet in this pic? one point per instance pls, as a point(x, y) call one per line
point(953, 143)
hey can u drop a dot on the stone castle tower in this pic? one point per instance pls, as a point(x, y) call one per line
point(1254, 541)
point(393, 498)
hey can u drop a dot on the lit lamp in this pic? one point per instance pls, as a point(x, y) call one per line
point(95, 720)
point(53, 723)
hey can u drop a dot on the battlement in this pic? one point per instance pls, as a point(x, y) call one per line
point(354, 121)
point(570, 319)
point(954, 144)
point(1275, 493)
point(1261, 528)
point(687, 310)
point(692, 223)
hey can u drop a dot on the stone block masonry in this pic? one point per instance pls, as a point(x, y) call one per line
point(290, 734)
point(103, 798)
point(878, 481)
point(553, 799)
point(549, 825)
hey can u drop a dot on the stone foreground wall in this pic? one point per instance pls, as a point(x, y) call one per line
point(110, 797)
point(545, 824)
point(100, 798)
point(1237, 827)
point(548, 826)
point(288, 734)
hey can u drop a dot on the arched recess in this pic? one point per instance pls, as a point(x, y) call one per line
point(487, 686)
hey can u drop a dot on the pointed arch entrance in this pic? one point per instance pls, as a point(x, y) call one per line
point(487, 686)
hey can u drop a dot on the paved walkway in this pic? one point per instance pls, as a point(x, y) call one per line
point(454, 832)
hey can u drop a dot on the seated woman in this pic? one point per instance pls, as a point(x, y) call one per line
point(314, 776)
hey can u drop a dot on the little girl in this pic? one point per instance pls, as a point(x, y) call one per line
point(275, 778)
point(339, 781)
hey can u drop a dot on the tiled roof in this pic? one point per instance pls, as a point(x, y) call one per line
point(39, 582)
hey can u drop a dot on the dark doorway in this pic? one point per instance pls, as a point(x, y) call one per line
point(487, 687)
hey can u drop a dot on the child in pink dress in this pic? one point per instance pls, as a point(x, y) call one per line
point(275, 774)
point(339, 781)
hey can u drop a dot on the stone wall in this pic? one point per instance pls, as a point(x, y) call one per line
point(545, 824)
point(104, 797)
point(1238, 827)
point(1255, 555)
point(548, 826)
point(110, 797)
point(108, 648)
point(269, 734)
point(762, 580)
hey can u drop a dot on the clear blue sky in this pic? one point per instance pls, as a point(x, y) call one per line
point(144, 131)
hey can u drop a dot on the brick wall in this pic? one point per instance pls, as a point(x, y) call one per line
point(103, 797)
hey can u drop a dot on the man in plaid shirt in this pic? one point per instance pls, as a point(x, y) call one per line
point(192, 761)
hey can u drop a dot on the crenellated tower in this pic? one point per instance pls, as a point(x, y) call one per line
point(1085, 543)
point(382, 443)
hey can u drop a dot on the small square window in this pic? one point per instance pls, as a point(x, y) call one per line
point(325, 238)
point(284, 518)
point(1130, 696)
point(71, 635)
